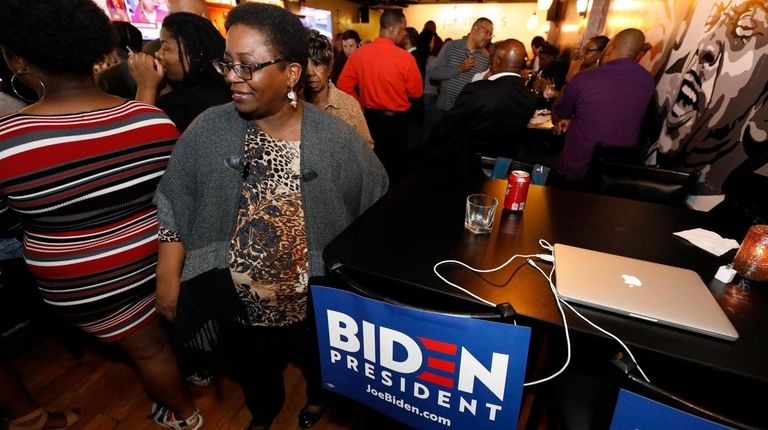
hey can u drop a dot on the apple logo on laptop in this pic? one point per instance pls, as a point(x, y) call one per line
point(632, 281)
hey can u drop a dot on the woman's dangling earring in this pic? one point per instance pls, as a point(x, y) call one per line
point(293, 98)
point(18, 94)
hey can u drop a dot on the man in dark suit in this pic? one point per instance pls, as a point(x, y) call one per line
point(408, 42)
point(489, 114)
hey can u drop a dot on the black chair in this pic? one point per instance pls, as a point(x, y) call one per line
point(743, 190)
point(627, 155)
point(639, 182)
point(602, 155)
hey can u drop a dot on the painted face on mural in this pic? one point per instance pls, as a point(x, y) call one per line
point(723, 78)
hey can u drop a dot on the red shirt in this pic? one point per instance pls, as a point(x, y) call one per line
point(387, 76)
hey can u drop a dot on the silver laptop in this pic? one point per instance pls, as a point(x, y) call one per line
point(649, 291)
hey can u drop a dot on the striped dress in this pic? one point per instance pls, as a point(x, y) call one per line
point(80, 186)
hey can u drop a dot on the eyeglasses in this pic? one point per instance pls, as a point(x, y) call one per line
point(242, 70)
point(488, 32)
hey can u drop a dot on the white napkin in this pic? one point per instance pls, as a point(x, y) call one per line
point(540, 119)
point(708, 241)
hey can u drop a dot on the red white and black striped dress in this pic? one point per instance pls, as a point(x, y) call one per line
point(80, 186)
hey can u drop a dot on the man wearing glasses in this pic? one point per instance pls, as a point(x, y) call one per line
point(455, 65)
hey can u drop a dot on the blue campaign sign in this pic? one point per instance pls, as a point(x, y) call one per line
point(425, 369)
point(635, 412)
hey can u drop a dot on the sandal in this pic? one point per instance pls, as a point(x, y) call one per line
point(164, 417)
point(308, 418)
point(37, 420)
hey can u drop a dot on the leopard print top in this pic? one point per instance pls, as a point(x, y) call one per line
point(268, 259)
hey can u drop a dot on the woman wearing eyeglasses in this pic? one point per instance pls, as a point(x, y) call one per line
point(589, 55)
point(254, 191)
point(188, 44)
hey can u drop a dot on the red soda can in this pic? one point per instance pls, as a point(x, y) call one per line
point(517, 190)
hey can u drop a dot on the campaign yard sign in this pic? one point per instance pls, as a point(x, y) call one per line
point(636, 412)
point(425, 369)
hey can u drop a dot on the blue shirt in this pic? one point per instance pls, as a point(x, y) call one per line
point(606, 106)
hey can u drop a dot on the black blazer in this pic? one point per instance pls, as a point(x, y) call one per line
point(488, 115)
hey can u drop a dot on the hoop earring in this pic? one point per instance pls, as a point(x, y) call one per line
point(293, 98)
point(16, 91)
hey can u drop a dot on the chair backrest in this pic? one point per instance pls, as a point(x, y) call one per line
point(744, 188)
point(433, 350)
point(603, 155)
point(501, 168)
point(628, 155)
point(641, 404)
point(634, 411)
point(645, 183)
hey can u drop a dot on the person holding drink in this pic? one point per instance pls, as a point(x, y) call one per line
point(549, 92)
point(455, 65)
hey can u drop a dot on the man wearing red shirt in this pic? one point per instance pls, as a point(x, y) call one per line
point(386, 77)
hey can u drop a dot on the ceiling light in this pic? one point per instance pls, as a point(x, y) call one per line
point(582, 6)
point(533, 22)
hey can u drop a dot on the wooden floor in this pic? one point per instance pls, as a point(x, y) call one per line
point(104, 385)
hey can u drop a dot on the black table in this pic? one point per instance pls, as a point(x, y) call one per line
point(393, 247)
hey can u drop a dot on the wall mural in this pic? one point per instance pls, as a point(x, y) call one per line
point(662, 21)
point(713, 89)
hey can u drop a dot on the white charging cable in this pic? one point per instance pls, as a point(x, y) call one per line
point(545, 257)
point(606, 332)
point(565, 327)
point(559, 300)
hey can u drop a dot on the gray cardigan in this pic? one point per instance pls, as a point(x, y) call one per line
point(199, 193)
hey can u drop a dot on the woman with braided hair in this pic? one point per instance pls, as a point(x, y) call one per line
point(189, 43)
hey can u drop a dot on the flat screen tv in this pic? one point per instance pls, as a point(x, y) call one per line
point(146, 15)
point(318, 19)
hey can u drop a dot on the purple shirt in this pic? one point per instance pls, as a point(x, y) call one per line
point(606, 106)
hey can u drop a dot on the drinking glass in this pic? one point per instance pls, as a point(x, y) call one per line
point(479, 214)
point(549, 92)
